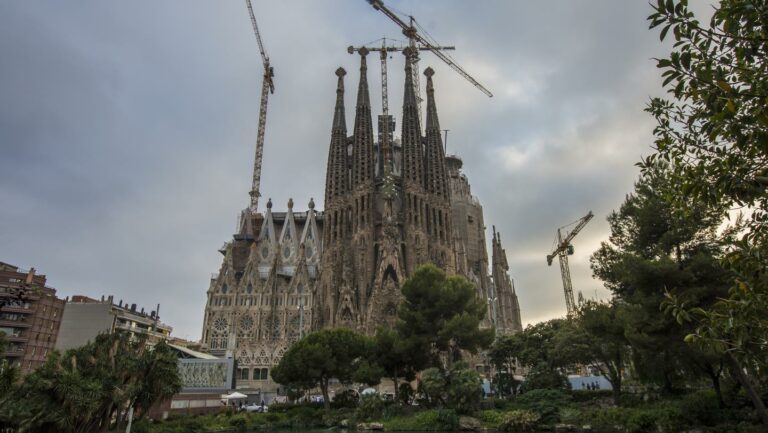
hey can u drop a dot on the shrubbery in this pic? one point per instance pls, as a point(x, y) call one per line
point(491, 418)
point(371, 407)
point(432, 419)
point(519, 421)
point(702, 407)
point(348, 398)
point(545, 402)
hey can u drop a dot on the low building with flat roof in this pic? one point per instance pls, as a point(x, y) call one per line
point(84, 318)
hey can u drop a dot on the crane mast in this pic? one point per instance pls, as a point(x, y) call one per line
point(409, 30)
point(383, 51)
point(562, 250)
point(267, 87)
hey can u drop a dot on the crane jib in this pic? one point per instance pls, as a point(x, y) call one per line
point(414, 36)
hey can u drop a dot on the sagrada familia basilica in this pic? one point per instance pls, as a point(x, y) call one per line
point(391, 204)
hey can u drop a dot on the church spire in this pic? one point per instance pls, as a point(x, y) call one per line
point(362, 150)
point(412, 165)
point(436, 179)
point(336, 184)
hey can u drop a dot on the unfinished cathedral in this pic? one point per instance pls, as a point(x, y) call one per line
point(391, 205)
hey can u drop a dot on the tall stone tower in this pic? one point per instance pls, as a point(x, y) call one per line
point(507, 314)
point(381, 224)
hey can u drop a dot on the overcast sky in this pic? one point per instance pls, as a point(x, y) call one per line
point(127, 129)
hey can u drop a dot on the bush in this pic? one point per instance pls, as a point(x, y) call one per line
point(371, 407)
point(140, 426)
point(664, 417)
point(424, 420)
point(239, 422)
point(499, 403)
point(447, 419)
point(306, 416)
point(348, 398)
point(491, 418)
point(545, 402)
point(432, 419)
point(519, 421)
point(464, 389)
point(702, 407)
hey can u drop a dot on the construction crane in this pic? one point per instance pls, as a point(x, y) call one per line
point(562, 250)
point(383, 50)
point(267, 87)
point(414, 37)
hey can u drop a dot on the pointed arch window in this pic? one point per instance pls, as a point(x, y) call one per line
point(224, 288)
point(249, 289)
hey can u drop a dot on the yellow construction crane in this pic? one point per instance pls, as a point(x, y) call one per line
point(414, 37)
point(267, 87)
point(562, 250)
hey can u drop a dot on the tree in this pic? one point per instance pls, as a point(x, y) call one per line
point(602, 341)
point(504, 357)
point(536, 347)
point(458, 388)
point(654, 251)
point(83, 389)
point(441, 315)
point(714, 131)
point(320, 356)
point(394, 354)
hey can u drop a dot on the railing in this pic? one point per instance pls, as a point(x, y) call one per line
point(15, 323)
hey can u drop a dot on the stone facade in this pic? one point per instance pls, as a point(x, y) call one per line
point(260, 301)
point(390, 205)
point(381, 224)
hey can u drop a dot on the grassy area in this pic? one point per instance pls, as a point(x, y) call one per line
point(528, 412)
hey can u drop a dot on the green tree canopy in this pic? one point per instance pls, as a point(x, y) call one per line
point(652, 252)
point(395, 355)
point(83, 389)
point(713, 130)
point(601, 341)
point(537, 347)
point(321, 356)
point(441, 315)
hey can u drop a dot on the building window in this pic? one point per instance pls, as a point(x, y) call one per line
point(244, 374)
point(263, 374)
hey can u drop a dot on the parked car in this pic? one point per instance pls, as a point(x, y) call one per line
point(255, 407)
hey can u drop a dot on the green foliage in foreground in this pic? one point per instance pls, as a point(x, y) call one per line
point(712, 130)
point(91, 387)
point(528, 412)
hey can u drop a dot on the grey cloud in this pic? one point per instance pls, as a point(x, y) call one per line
point(127, 129)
